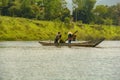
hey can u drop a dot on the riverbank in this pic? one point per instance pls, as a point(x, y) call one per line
point(14, 29)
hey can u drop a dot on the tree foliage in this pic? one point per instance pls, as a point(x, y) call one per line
point(83, 10)
point(38, 9)
point(103, 13)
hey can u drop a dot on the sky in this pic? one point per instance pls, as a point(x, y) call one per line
point(107, 2)
point(99, 2)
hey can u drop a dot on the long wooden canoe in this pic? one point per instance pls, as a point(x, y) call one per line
point(83, 44)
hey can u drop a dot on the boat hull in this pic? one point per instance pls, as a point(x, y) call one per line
point(84, 44)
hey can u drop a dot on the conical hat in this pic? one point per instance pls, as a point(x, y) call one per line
point(69, 32)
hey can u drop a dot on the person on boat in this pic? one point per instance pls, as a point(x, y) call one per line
point(70, 37)
point(74, 38)
point(61, 41)
point(57, 38)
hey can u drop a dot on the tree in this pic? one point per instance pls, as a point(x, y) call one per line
point(54, 8)
point(39, 9)
point(107, 13)
point(84, 13)
point(100, 10)
point(79, 3)
point(65, 14)
point(100, 13)
point(77, 6)
point(118, 13)
point(4, 2)
point(14, 11)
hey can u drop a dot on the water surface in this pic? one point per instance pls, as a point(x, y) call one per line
point(28, 60)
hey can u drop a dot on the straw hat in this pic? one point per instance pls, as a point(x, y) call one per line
point(69, 32)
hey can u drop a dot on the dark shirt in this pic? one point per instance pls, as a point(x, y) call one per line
point(69, 36)
point(57, 38)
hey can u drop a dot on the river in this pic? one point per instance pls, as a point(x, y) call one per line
point(28, 60)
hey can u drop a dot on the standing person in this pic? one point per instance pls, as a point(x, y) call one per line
point(57, 38)
point(70, 37)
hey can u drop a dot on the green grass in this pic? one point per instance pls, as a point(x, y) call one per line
point(26, 29)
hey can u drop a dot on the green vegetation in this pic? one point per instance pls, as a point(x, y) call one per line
point(27, 29)
point(83, 10)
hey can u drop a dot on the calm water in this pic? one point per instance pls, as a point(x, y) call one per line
point(31, 61)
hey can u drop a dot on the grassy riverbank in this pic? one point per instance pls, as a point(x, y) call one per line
point(26, 29)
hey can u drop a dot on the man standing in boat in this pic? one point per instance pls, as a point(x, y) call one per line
point(70, 36)
point(57, 38)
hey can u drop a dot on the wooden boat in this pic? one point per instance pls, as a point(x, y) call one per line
point(83, 44)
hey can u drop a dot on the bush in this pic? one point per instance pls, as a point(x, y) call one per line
point(108, 21)
point(67, 20)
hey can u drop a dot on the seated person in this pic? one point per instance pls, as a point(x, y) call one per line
point(57, 38)
point(61, 41)
point(74, 38)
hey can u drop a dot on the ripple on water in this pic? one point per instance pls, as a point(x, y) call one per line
point(31, 61)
